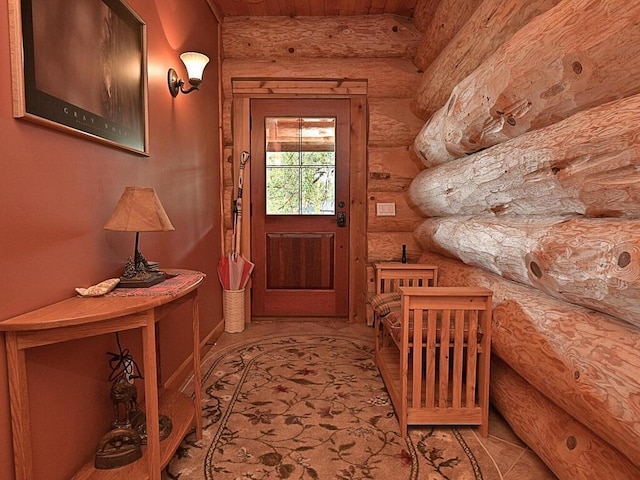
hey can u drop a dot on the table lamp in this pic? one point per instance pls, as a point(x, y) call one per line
point(139, 210)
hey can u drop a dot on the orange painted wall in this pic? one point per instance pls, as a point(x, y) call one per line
point(56, 192)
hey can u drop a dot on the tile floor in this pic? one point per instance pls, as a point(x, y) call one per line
point(513, 458)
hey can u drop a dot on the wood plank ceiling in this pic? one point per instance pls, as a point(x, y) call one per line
point(307, 8)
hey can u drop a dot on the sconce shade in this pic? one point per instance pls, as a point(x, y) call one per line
point(195, 64)
point(139, 210)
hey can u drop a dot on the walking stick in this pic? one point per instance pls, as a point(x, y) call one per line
point(237, 206)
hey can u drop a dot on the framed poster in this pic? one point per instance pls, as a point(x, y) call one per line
point(81, 66)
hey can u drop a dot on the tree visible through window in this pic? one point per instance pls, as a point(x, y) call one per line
point(300, 166)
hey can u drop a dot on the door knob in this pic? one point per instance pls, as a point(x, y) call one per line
point(342, 219)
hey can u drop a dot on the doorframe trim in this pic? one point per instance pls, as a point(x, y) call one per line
point(243, 90)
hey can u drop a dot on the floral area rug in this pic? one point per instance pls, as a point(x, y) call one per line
point(314, 407)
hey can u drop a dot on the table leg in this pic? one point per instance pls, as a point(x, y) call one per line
point(151, 395)
point(197, 372)
point(20, 418)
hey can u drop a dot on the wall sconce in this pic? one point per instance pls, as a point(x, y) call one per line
point(195, 64)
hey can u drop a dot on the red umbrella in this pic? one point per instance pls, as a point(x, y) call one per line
point(234, 273)
point(223, 272)
point(241, 269)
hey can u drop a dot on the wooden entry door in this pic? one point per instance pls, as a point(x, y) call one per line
point(300, 207)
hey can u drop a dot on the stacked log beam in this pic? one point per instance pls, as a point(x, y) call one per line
point(493, 23)
point(583, 361)
point(572, 450)
point(325, 37)
point(448, 18)
point(586, 164)
point(388, 182)
point(378, 48)
point(423, 13)
point(579, 54)
point(593, 262)
point(405, 166)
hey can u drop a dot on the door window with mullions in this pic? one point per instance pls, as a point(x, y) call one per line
point(300, 165)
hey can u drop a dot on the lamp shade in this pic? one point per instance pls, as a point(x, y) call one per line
point(195, 64)
point(139, 210)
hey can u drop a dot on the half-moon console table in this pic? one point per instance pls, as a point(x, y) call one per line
point(80, 317)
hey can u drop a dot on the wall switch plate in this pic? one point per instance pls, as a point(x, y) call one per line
point(386, 209)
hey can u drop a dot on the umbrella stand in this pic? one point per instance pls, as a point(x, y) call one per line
point(233, 308)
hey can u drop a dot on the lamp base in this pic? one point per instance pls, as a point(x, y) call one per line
point(142, 280)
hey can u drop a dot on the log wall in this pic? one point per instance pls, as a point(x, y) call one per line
point(376, 48)
point(532, 189)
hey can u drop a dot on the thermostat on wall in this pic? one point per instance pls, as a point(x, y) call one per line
point(386, 209)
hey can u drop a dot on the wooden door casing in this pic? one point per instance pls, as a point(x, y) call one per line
point(302, 261)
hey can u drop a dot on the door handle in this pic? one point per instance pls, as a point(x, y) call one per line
point(342, 219)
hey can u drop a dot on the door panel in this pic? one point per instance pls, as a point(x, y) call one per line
point(300, 261)
point(299, 191)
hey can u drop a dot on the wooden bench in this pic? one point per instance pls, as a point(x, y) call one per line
point(389, 277)
point(434, 353)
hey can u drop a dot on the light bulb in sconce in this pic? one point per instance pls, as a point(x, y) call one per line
point(195, 64)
